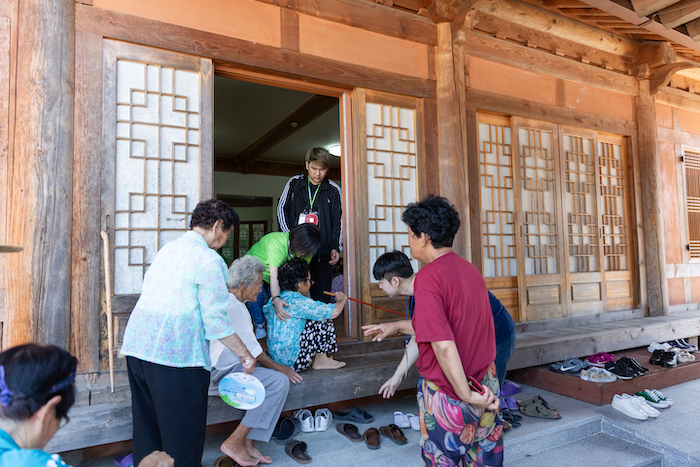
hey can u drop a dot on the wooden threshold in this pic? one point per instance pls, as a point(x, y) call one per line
point(602, 393)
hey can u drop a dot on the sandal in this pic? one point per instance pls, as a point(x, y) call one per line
point(297, 451)
point(536, 400)
point(539, 410)
point(355, 415)
point(394, 433)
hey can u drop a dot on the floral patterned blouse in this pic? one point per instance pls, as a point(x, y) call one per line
point(182, 306)
point(283, 336)
point(11, 455)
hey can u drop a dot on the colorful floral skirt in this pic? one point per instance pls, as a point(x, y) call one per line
point(454, 433)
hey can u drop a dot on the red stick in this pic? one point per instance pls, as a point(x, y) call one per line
point(369, 304)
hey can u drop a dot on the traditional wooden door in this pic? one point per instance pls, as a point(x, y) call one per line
point(157, 157)
point(539, 239)
point(389, 143)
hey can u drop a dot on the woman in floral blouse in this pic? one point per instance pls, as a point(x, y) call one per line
point(308, 336)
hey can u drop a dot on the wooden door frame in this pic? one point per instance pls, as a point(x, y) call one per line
point(344, 94)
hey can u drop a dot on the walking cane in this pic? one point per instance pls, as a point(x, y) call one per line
point(108, 299)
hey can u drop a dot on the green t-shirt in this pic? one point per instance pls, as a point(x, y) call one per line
point(273, 250)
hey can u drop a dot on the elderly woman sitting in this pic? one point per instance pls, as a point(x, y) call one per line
point(244, 283)
point(36, 392)
point(308, 335)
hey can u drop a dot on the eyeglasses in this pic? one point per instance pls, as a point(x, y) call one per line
point(310, 281)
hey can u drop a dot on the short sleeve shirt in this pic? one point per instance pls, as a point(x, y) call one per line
point(11, 455)
point(273, 250)
point(452, 303)
point(182, 306)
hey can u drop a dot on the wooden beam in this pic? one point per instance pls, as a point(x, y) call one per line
point(560, 26)
point(245, 54)
point(655, 54)
point(652, 205)
point(693, 28)
point(505, 105)
point(307, 112)
point(678, 98)
point(646, 7)
point(539, 61)
point(366, 15)
point(87, 169)
point(283, 169)
point(680, 13)
point(41, 183)
point(5, 8)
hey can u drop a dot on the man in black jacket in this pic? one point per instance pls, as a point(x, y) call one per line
point(311, 197)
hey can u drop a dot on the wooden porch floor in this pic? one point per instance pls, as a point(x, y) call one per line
point(102, 417)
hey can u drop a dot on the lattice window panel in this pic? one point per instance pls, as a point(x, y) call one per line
point(580, 205)
point(497, 201)
point(391, 177)
point(157, 164)
point(538, 201)
point(615, 239)
point(691, 160)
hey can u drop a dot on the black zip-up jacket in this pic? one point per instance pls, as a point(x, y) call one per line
point(295, 199)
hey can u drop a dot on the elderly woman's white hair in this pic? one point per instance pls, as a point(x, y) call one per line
point(244, 272)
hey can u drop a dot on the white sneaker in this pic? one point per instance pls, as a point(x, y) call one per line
point(628, 406)
point(660, 395)
point(401, 420)
point(323, 419)
point(306, 419)
point(659, 346)
point(260, 331)
point(642, 403)
point(415, 421)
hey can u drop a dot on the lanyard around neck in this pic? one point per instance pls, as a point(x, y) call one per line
point(311, 200)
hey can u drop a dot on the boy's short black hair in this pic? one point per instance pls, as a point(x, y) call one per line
point(305, 240)
point(291, 272)
point(436, 217)
point(392, 263)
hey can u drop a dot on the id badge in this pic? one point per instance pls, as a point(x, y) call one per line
point(308, 218)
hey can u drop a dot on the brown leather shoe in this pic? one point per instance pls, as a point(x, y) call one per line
point(371, 437)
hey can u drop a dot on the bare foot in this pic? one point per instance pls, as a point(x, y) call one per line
point(324, 362)
point(255, 454)
point(238, 453)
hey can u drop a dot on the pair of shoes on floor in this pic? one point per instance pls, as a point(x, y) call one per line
point(260, 331)
point(318, 422)
point(654, 398)
point(634, 406)
point(539, 408)
point(355, 415)
point(512, 418)
point(626, 368)
point(598, 375)
point(662, 358)
point(406, 420)
point(571, 366)
point(509, 388)
point(683, 345)
point(509, 403)
point(600, 359)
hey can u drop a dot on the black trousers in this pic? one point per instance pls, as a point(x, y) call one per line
point(322, 274)
point(169, 408)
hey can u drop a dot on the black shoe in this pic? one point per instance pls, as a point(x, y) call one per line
point(621, 370)
point(634, 365)
point(668, 359)
point(655, 358)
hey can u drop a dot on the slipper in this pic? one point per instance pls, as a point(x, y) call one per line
point(355, 415)
point(124, 461)
point(414, 420)
point(511, 403)
point(539, 410)
point(401, 420)
point(535, 400)
point(350, 431)
point(287, 429)
point(371, 437)
point(394, 433)
point(509, 417)
point(509, 388)
point(297, 451)
point(225, 461)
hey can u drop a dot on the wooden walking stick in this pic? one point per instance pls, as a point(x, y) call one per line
point(369, 304)
point(108, 299)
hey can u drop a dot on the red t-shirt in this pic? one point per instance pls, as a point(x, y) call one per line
point(452, 303)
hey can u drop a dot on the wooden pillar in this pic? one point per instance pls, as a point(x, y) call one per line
point(654, 253)
point(451, 127)
point(40, 172)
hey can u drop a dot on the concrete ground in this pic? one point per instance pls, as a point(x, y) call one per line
point(586, 435)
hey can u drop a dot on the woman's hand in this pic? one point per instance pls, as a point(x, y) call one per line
point(380, 331)
point(487, 400)
point(293, 376)
point(279, 305)
point(157, 459)
point(340, 300)
point(388, 389)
